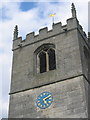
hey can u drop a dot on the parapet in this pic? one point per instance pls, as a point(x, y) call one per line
point(57, 28)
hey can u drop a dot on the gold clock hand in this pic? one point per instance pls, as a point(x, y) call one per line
point(46, 97)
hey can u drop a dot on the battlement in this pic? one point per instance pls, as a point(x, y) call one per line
point(57, 28)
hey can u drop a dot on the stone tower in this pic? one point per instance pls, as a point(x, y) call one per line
point(50, 72)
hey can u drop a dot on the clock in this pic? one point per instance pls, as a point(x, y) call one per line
point(44, 100)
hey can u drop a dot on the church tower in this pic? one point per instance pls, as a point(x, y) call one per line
point(50, 72)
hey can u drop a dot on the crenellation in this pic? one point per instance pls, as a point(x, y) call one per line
point(17, 42)
point(85, 34)
point(82, 32)
point(64, 28)
point(57, 28)
point(43, 33)
point(80, 27)
point(30, 36)
point(36, 37)
point(72, 23)
point(50, 32)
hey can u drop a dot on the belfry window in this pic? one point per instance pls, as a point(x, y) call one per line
point(45, 58)
point(42, 58)
point(52, 61)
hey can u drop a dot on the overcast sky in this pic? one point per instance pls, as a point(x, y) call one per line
point(29, 16)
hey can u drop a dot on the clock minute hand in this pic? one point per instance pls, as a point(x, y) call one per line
point(47, 97)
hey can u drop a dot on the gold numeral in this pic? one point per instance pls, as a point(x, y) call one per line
point(49, 101)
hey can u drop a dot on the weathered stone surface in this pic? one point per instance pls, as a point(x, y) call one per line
point(66, 102)
point(68, 63)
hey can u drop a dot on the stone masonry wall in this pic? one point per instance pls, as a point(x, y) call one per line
point(68, 62)
point(69, 101)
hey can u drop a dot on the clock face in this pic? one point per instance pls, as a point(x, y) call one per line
point(44, 100)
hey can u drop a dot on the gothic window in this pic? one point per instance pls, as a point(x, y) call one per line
point(42, 58)
point(52, 61)
point(45, 58)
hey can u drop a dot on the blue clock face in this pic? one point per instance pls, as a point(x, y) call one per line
point(44, 100)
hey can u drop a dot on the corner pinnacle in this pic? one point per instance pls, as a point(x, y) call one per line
point(73, 11)
point(15, 36)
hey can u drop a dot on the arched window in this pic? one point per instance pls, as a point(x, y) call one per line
point(42, 60)
point(46, 59)
point(52, 60)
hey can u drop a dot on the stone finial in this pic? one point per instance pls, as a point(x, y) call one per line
point(73, 10)
point(15, 36)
